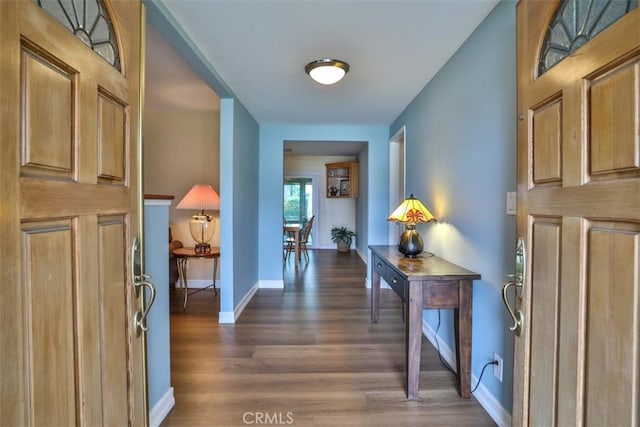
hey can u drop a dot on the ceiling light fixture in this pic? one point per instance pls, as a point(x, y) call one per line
point(327, 71)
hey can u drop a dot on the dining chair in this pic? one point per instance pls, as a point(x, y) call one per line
point(288, 239)
point(304, 237)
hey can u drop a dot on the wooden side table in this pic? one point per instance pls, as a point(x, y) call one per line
point(182, 256)
point(426, 282)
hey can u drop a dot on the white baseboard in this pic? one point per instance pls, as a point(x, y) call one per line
point(383, 284)
point(226, 317)
point(161, 409)
point(200, 283)
point(482, 394)
point(271, 284)
point(491, 404)
point(447, 354)
point(231, 317)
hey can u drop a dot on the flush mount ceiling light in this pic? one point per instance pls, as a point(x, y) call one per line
point(327, 71)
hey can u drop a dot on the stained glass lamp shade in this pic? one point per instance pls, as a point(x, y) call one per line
point(202, 226)
point(411, 212)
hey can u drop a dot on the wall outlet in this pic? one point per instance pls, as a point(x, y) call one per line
point(497, 369)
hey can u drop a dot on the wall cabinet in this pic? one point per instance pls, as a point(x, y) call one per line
point(342, 180)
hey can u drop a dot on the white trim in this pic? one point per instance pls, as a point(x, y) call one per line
point(201, 283)
point(271, 284)
point(491, 404)
point(383, 284)
point(231, 317)
point(226, 317)
point(161, 409)
point(362, 255)
point(445, 351)
point(482, 394)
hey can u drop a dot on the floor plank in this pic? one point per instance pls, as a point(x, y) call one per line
point(307, 355)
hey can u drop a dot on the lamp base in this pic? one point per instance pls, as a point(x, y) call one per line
point(411, 243)
point(202, 248)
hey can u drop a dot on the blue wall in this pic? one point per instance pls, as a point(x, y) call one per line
point(238, 168)
point(238, 198)
point(460, 161)
point(370, 211)
point(156, 248)
point(461, 156)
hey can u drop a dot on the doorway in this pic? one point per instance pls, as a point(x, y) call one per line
point(396, 180)
point(299, 206)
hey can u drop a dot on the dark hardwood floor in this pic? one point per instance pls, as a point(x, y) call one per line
point(307, 355)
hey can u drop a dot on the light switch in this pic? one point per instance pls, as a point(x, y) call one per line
point(512, 203)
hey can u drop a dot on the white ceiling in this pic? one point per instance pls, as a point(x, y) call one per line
point(260, 47)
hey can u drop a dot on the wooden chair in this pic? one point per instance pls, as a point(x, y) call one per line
point(304, 239)
point(287, 240)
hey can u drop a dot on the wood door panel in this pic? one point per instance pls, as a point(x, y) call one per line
point(544, 317)
point(113, 318)
point(50, 334)
point(575, 201)
point(112, 147)
point(65, 199)
point(612, 343)
point(48, 92)
point(70, 353)
point(576, 360)
point(614, 113)
point(547, 143)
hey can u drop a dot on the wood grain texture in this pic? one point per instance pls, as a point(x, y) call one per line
point(310, 351)
point(53, 369)
point(575, 348)
point(615, 140)
point(544, 320)
point(547, 147)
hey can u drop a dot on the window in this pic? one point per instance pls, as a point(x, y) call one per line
point(575, 23)
point(89, 21)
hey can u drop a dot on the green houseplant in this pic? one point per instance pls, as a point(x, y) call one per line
point(342, 237)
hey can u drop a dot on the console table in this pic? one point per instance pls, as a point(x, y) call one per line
point(426, 282)
point(182, 256)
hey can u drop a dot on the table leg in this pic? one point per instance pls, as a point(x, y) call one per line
point(297, 239)
point(215, 270)
point(414, 339)
point(462, 327)
point(182, 270)
point(375, 294)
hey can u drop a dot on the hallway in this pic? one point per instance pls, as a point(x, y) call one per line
point(307, 356)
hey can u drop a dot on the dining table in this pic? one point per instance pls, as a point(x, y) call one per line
point(293, 229)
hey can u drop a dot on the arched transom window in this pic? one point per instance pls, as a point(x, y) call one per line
point(89, 21)
point(575, 23)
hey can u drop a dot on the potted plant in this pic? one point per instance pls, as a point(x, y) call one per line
point(342, 237)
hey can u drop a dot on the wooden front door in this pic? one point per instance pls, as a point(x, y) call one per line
point(577, 359)
point(69, 143)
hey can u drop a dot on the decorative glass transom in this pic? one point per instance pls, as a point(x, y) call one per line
point(575, 23)
point(89, 21)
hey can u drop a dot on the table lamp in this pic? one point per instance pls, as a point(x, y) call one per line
point(410, 212)
point(202, 198)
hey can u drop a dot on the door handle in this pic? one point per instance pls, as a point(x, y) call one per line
point(140, 318)
point(518, 316)
point(140, 281)
point(517, 281)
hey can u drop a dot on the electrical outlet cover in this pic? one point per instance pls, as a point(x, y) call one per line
point(497, 369)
